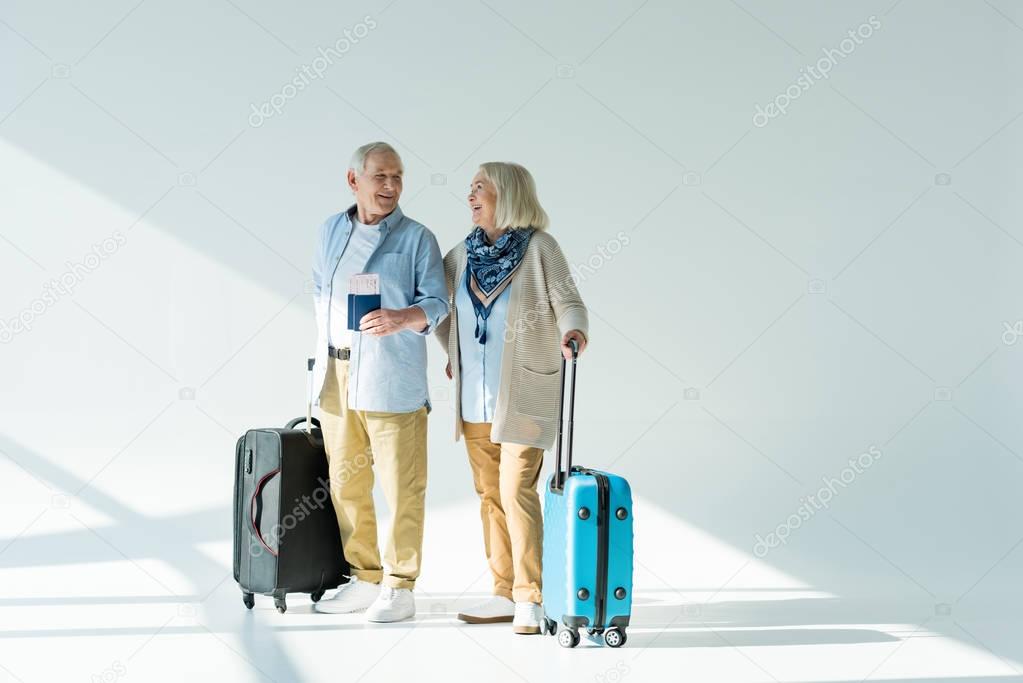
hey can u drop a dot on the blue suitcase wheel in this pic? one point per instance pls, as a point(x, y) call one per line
point(614, 637)
point(568, 637)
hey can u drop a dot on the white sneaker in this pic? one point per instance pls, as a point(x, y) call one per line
point(528, 616)
point(392, 604)
point(497, 609)
point(354, 596)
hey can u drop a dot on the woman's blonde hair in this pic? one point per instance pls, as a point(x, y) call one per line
point(517, 203)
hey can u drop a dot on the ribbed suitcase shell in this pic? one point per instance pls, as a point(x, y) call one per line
point(587, 542)
point(570, 561)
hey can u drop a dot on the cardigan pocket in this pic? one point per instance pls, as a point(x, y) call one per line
point(536, 393)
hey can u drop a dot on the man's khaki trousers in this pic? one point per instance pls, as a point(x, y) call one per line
point(505, 476)
point(357, 442)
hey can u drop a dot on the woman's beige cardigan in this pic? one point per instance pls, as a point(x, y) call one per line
point(544, 305)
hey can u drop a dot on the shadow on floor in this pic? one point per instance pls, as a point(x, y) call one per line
point(756, 637)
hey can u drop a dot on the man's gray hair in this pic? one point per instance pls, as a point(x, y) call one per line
point(358, 162)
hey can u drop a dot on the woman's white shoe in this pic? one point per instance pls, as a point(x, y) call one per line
point(528, 616)
point(494, 610)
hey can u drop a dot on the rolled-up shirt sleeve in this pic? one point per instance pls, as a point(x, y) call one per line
point(431, 293)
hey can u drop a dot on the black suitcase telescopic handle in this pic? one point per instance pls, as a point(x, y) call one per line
point(309, 420)
point(565, 431)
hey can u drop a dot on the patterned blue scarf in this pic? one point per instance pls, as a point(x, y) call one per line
point(490, 269)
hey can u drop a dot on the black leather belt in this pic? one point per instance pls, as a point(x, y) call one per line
point(340, 354)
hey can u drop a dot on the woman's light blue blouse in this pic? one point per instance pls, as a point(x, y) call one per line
point(480, 363)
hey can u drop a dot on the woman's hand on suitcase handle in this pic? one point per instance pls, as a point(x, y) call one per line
point(566, 348)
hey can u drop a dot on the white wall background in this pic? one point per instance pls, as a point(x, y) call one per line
point(839, 278)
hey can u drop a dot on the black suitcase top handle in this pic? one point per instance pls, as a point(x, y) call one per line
point(558, 480)
point(299, 420)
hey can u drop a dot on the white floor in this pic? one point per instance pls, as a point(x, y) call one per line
point(119, 567)
point(736, 637)
point(76, 606)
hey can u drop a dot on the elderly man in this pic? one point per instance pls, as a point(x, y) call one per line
point(373, 392)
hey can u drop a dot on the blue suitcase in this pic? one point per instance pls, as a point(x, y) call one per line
point(587, 545)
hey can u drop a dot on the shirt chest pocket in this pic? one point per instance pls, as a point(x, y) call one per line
point(397, 278)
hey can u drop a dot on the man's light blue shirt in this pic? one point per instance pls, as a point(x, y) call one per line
point(361, 244)
point(386, 374)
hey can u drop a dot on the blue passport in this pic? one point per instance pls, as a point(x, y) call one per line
point(358, 306)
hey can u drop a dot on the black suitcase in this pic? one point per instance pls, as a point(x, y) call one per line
point(286, 538)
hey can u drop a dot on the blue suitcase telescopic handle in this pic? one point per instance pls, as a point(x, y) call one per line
point(565, 430)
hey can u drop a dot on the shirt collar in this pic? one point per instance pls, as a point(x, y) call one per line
point(388, 223)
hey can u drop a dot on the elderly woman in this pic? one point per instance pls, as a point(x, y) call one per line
point(514, 308)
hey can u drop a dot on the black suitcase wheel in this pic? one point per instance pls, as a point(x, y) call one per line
point(315, 597)
point(614, 637)
point(249, 600)
point(550, 627)
point(568, 637)
point(281, 604)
